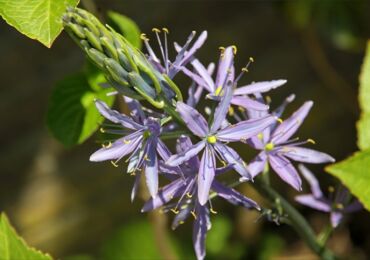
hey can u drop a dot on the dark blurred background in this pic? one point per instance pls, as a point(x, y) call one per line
point(74, 209)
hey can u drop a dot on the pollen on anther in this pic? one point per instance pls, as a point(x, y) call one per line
point(143, 37)
point(156, 30)
point(213, 211)
point(126, 141)
point(175, 211)
point(114, 164)
point(311, 141)
point(165, 30)
point(102, 130)
point(194, 215)
point(235, 49)
point(251, 59)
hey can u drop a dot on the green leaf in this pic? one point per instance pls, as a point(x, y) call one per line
point(354, 173)
point(14, 247)
point(40, 20)
point(72, 116)
point(363, 126)
point(217, 237)
point(126, 27)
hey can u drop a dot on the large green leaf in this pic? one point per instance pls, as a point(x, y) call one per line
point(38, 19)
point(354, 172)
point(126, 27)
point(72, 116)
point(14, 247)
point(363, 126)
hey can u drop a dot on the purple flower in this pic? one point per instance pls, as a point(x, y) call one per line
point(213, 141)
point(184, 56)
point(226, 73)
point(278, 149)
point(141, 142)
point(336, 205)
point(183, 186)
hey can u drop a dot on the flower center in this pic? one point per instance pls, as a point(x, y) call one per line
point(269, 146)
point(218, 91)
point(212, 139)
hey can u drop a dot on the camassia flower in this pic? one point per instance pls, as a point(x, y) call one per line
point(184, 186)
point(337, 204)
point(143, 142)
point(278, 149)
point(184, 56)
point(226, 73)
point(213, 141)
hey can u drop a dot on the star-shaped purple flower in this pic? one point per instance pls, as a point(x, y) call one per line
point(142, 141)
point(336, 205)
point(278, 149)
point(226, 73)
point(213, 141)
point(184, 186)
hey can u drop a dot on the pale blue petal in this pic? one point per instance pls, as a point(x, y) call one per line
point(286, 171)
point(206, 175)
point(194, 121)
point(306, 155)
point(259, 87)
point(180, 158)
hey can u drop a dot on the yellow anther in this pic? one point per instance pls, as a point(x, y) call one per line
point(241, 109)
point(212, 139)
point(114, 164)
point(194, 215)
point(133, 173)
point(189, 195)
point(231, 111)
point(339, 206)
point(165, 30)
point(234, 49)
point(143, 37)
point(218, 90)
point(181, 222)
point(269, 146)
point(268, 99)
point(331, 189)
point(245, 70)
point(102, 130)
point(107, 145)
point(223, 163)
point(146, 158)
point(311, 141)
point(244, 164)
point(251, 59)
point(279, 120)
point(222, 49)
point(175, 211)
point(156, 30)
point(213, 211)
point(260, 136)
point(126, 141)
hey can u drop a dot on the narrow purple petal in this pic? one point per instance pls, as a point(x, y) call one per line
point(151, 168)
point(197, 44)
point(180, 158)
point(312, 181)
point(306, 155)
point(233, 196)
point(259, 87)
point(335, 218)
point(199, 233)
point(257, 165)
point(285, 170)
point(245, 129)
point(135, 187)
point(205, 74)
point(164, 195)
point(232, 157)
point(248, 103)
point(116, 117)
point(312, 202)
point(286, 129)
point(226, 61)
point(183, 144)
point(136, 112)
point(222, 108)
point(181, 216)
point(118, 149)
point(195, 77)
point(194, 121)
point(206, 174)
point(163, 151)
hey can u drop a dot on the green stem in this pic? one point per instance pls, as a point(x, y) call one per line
point(298, 222)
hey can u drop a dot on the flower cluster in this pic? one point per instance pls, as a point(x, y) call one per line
point(236, 114)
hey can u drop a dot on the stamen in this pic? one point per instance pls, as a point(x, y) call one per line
point(231, 111)
point(279, 120)
point(143, 37)
point(222, 49)
point(102, 130)
point(114, 164)
point(331, 189)
point(260, 136)
point(175, 211)
point(126, 141)
point(269, 146)
point(166, 30)
point(189, 195)
point(212, 211)
point(156, 30)
point(339, 206)
point(311, 141)
point(194, 215)
point(218, 91)
point(245, 69)
point(241, 109)
point(212, 139)
point(235, 50)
